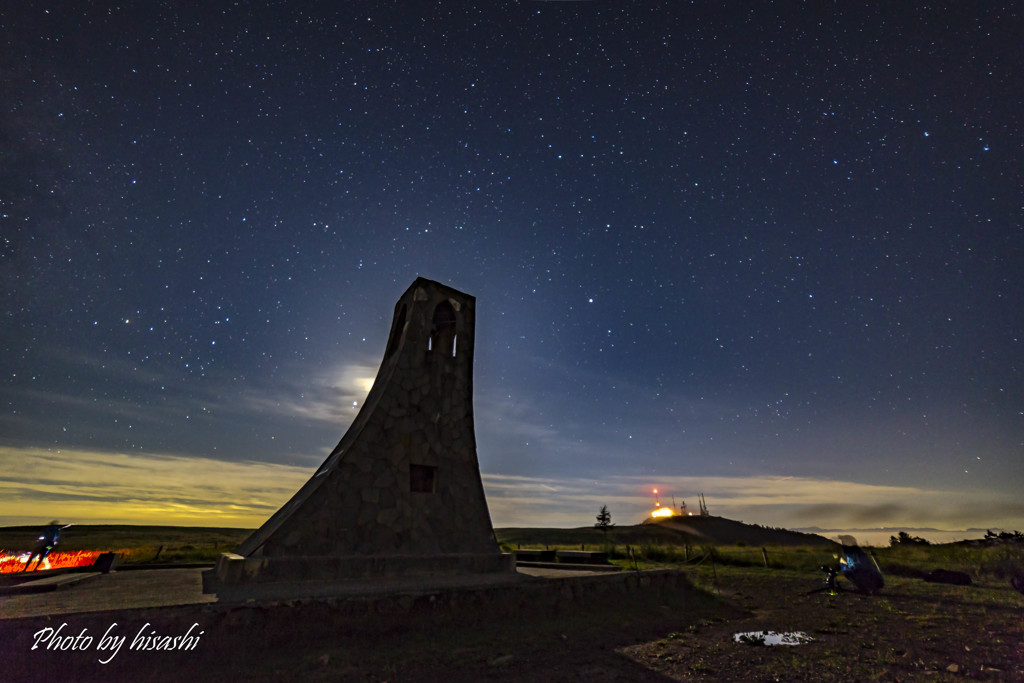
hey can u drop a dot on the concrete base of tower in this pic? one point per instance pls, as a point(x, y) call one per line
point(240, 578)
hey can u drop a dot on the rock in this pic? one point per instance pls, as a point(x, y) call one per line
point(948, 576)
point(503, 660)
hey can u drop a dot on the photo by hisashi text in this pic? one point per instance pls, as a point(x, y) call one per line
point(110, 643)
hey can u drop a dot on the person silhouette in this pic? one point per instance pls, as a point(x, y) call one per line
point(45, 543)
point(857, 567)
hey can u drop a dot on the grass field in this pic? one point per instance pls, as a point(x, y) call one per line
point(653, 546)
point(137, 544)
point(642, 546)
point(982, 562)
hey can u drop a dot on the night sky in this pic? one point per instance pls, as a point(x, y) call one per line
point(768, 252)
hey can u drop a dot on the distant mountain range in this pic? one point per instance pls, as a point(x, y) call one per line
point(879, 536)
point(896, 529)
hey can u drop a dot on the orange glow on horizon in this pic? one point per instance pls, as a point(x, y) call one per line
point(11, 564)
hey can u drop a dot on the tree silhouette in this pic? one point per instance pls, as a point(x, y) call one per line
point(604, 520)
point(906, 539)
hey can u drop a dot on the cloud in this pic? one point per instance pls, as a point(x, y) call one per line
point(855, 513)
point(333, 397)
point(790, 502)
point(97, 487)
point(515, 437)
point(154, 410)
point(108, 487)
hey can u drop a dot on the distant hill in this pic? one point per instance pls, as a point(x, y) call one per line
point(693, 531)
point(673, 531)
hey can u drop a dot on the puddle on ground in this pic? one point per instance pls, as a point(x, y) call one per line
point(772, 638)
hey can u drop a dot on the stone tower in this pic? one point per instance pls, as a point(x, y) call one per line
point(401, 493)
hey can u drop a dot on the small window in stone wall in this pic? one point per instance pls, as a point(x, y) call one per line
point(421, 478)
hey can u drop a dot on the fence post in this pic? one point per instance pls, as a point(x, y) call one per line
point(714, 572)
point(764, 555)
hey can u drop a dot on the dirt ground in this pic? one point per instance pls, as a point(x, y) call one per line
point(912, 631)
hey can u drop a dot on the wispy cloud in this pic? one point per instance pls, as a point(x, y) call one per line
point(768, 500)
point(97, 487)
point(100, 487)
point(154, 399)
point(333, 396)
point(512, 432)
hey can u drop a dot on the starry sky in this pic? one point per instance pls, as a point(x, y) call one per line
point(770, 252)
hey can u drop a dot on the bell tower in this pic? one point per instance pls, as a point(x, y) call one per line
point(401, 493)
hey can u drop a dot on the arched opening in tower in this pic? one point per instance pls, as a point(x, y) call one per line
point(442, 336)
